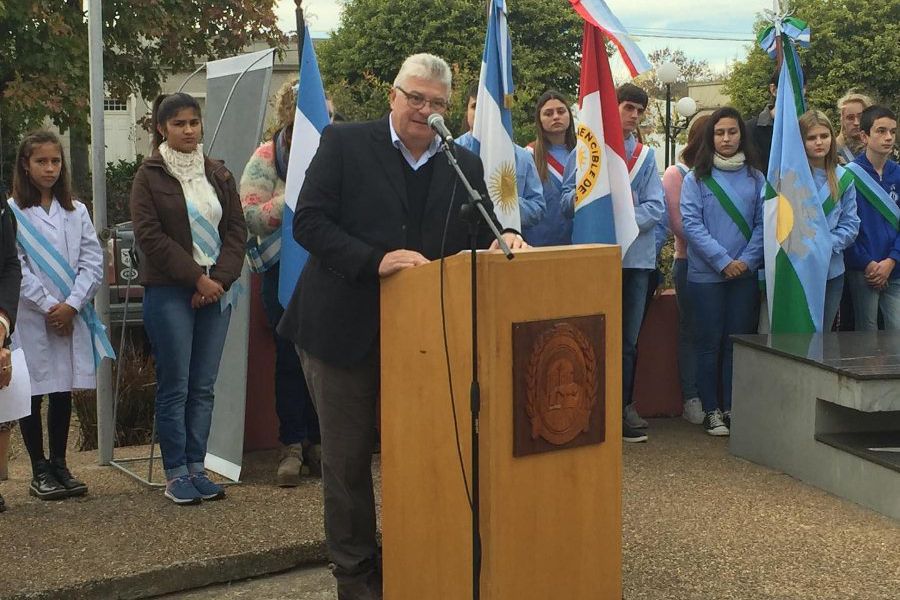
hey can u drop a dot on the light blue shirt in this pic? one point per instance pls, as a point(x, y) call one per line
point(714, 240)
point(433, 149)
point(843, 223)
point(649, 208)
point(555, 229)
point(528, 184)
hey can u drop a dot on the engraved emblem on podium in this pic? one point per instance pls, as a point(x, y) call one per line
point(559, 381)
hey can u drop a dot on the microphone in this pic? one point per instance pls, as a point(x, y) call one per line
point(436, 122)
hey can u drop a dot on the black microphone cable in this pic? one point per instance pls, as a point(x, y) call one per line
point(462, 468)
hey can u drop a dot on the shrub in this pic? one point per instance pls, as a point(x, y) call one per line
point(134, 413)
point(119, 176)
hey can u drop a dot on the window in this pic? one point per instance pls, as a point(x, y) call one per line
point(114, 104)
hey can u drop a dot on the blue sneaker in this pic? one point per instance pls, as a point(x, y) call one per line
point(206, 488)
point(181, 491)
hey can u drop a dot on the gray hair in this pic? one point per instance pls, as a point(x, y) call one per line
point(425, 66)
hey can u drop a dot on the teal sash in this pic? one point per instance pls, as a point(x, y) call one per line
point(53, 265)
point(724, 193)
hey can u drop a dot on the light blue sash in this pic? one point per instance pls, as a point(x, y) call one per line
point(53, 265)
point(264, 255)
point(207, 239)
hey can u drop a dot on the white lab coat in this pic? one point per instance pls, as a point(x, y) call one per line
point(57, 363)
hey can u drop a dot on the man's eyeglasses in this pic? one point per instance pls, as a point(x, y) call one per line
point(417, 101)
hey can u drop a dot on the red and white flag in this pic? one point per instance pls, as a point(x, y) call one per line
point(604, 205)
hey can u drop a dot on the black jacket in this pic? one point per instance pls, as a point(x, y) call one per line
point(761, 128)
point(10, 270)
point(352, 210)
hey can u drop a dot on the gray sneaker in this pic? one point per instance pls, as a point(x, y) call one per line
point(693, 411)
point(289, 468)
point(632, 419)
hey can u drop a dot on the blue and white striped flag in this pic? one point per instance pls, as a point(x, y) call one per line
point(493, 121)
point(309, 121)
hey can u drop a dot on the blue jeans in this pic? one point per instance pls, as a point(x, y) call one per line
point(834, 289)
point(634, 298)
point(720, 311)
point(867, 302)
point(187, 346)
point(687, 359)
point(297, 420)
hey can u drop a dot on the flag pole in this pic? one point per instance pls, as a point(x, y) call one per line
point(301, 30)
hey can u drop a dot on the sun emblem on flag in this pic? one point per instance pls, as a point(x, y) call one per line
point(502, 187)
point(589, 158)
point(793, 229)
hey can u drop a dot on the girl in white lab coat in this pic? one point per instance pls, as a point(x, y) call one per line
point(62, 267)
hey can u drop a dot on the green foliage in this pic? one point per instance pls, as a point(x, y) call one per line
point(119, 176)
point(854, 46)
point(44, 45)
point(360, 60)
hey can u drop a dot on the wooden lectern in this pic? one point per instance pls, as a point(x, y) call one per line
point(550, 522)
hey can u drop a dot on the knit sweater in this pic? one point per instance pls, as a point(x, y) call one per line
point(262, 192)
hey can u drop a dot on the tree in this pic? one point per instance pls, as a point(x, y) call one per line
point(853, 46)
point(44, 44)
point(690, 70)
point(360, 60)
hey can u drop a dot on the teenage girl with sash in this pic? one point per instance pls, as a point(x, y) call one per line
point(57, 328)
point(552, 150)
point(672, 180)
point(721, 214)
point(838, 197)
point(190, 230)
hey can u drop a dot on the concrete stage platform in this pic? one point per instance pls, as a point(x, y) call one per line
point(824, 408)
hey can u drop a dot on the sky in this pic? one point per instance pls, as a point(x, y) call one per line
point(646, 19)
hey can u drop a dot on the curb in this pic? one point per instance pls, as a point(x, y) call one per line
point(180, 577)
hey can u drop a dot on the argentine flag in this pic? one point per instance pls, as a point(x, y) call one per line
point(797, 238)
point(309, 121)
point(492, 129)
point(604, 206)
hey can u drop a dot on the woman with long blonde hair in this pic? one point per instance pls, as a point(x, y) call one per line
point(838, 196)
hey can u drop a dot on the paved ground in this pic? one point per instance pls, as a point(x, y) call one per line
point(698, 524)
point(310, 583)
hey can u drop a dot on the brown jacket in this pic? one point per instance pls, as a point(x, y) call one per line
point(163, 232)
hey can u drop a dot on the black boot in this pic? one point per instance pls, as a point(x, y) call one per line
point(64, 476)
point(45, 485)
point(2, 504)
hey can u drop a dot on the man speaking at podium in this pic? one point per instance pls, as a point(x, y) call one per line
point(375, 201)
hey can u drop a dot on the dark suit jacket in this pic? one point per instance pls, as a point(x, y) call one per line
point(10, 270)
point(761, 129)
point(352, 210)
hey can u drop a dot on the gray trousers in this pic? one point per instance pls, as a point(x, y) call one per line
point(345, 402)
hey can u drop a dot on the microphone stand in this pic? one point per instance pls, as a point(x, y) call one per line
point(473, 212)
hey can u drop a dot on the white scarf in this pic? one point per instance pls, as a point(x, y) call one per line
point(189, 169)
point(732, 163)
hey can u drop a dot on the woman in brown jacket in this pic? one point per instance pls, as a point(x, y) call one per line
point(190, 230)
